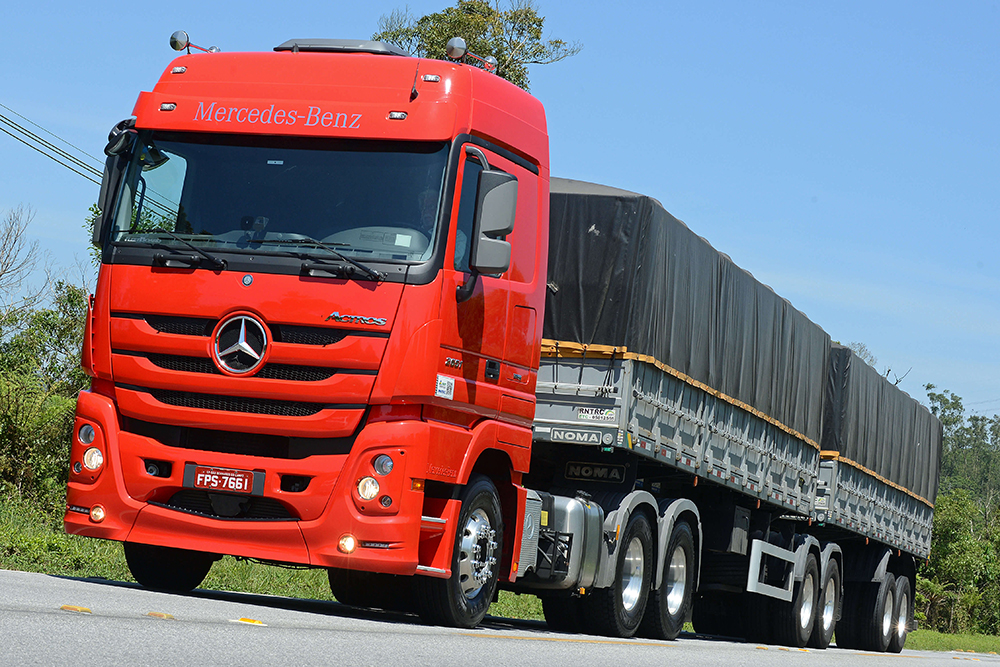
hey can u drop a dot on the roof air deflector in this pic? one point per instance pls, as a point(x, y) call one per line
point(341, 46)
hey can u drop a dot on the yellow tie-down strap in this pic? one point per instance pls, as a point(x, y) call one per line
point(555, 348)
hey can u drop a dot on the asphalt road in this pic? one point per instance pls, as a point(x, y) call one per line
point(48, 620)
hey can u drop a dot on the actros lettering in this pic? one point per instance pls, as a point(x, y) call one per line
point(356, 319)
point(311, 116)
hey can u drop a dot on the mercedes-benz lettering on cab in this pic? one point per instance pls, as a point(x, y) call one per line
point(317, 320)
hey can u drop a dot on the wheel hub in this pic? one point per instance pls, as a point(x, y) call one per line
point(632, 574)
point(476, 558)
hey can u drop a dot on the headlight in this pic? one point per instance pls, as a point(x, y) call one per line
point(93, 458)
point(382, 464)
point(86, 434)
point(368, 488)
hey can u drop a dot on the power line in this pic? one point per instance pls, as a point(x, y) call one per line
point(48, 149)
point(99, 161)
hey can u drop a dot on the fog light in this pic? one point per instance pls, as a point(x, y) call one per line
point(86, 434)
point(368, 488)
point(77, 467)
point(93, 458)
point(348, 543)
point(385, 501)
point(382, 464)
point(97, 514)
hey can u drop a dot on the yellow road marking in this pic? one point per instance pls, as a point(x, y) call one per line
point(73, 607)
point(160, 614)
point(249, 621)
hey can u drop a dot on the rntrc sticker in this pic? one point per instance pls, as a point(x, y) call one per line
point(594, 472)
point(445, 387)
point(607, 415)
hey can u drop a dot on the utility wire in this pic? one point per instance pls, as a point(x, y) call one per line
point(99, 161)
point(47, 148)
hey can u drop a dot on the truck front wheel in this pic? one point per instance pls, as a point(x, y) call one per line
point(166, 568)
point(617, 610)
point(462, 599)
point(670, 604)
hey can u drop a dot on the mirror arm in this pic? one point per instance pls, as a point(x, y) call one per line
point(464, 292)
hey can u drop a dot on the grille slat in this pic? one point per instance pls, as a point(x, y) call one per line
point(257, 406)
point(257, 508)
point(287, 372)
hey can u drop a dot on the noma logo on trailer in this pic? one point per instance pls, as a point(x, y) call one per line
point(594, 472)
point(356, 319)
point(576, 435)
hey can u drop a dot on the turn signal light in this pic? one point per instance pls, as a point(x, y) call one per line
point(348, 544)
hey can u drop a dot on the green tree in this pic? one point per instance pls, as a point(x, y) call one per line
point(511, 34)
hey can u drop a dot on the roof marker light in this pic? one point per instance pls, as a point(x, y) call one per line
point(168, 106)
point(397, 115)
point(178, 70)
point(432, 78)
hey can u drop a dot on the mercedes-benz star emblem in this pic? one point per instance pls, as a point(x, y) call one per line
point(240, 344)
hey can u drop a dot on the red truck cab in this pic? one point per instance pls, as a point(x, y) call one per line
point(315, 333)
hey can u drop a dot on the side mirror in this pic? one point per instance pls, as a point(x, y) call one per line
point(120, 142)
point(496, 208)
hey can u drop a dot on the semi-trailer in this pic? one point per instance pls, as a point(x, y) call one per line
point(344, 319)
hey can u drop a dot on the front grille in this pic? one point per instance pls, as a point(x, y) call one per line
point(287, 372)
point(183, 326)
point(287, 333)
point(251, 508)
point(235, 442)
point(257, 406)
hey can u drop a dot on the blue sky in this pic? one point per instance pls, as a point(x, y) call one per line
point(847, 154)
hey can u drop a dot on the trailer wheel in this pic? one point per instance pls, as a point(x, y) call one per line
point(617, 610)
point(878, 614)
point(563, 614)
point(462, 599)
point(166, 568)
point(829, 601)
point(370, 589)
point(670, 604)
point(796, 618)
point(903, 616)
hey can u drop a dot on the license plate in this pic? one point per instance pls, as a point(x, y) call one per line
point(223, 479)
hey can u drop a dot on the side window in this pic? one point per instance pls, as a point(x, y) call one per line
point(466, 213)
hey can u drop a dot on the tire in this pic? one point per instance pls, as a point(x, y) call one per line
point(563, 614)
point(462, 600)
point(877, 613)
point(903, 616)
point(829, 604)
point(670, 604)
point(166, 568)
point(371, 589)
point(795, 619)
point(616, 611)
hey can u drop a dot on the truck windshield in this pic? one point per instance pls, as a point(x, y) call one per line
point(237, 193)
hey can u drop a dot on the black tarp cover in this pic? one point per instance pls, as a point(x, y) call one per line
point(871, 424)
point(623, 273)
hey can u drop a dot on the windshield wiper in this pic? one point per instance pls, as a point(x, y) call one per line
point(377, 276)
point(217, 262)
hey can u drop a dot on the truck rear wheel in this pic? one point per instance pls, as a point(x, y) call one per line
point(462, 599)
point(166, 568)
point(829, 601)
point(795, 619)
point(670, 604)
point(878, 610)
point(617, 610)
point(903, 616)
